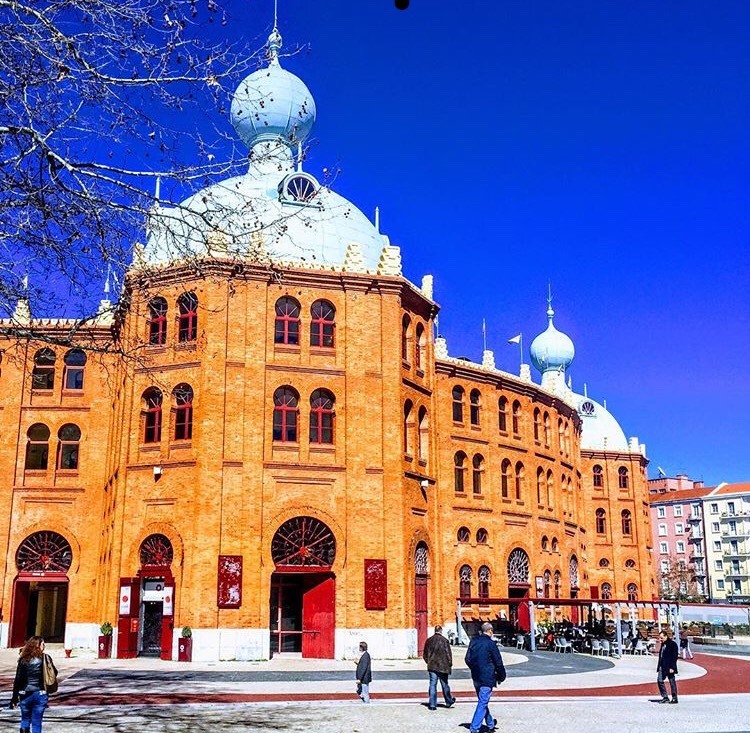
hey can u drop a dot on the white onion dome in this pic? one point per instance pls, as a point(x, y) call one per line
point(273, 104)
point(552, 350)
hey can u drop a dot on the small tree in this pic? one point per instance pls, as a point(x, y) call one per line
point(678, 582)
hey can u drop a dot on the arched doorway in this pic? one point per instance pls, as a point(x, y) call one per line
point(303, 589)
point(40, 590)
point(518, 587)
point(421, 573)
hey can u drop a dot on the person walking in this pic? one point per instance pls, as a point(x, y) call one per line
point(666, 667)
point(439, 659)
point(29, 690)
point(685, 650)
point(486, 664)
point(364, 672)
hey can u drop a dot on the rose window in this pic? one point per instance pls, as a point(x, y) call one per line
point(518, 567)
point(156, 550)
point(304, 541)
point(47, 552)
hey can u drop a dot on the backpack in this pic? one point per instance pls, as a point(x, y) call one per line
point(49, 674)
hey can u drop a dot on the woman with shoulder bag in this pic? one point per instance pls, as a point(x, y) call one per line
point(29, 688)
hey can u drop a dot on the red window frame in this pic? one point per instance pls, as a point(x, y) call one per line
point(464, 581)
point(287, 323)
point(483, 581)
point(285, 415)
point(183, 412)
point(187, 320)
point(152, 423)
point(323, 324)
point(322, 417)
point(157, 322)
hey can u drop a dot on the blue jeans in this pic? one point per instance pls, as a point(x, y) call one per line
point(443, 677)
point(483, 711)
point(32, 708)
point(365, 693)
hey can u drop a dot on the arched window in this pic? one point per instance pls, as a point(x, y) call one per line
point(547, 583)
point(419, 347)
point(285, 415)
point(37, 447)
point(629, 564)
point(69, 436)
point(550, 489)
point(183, 412)
point(156, 551)
point(604, 563)
point(601, 521)
point(458, 404)
point(516, 417)
point(598, 474)
point(519, 480)
point(632, 592)
point(322, 417)
point(505, 470)
point(627, 523)
point(546, 430)
point(573, 573)
point(405, 338)
point(459, 471)
point(152, 399)
point(187, 319)
point(561, 435)
point(43, 374)
point(606, 591)
point(464, 582)
point(537, 424)
point(558, 583)
point(483, 578)
point(477, 466)
point(408, 427)
point(554, 544)
point(482, 536)
point(502, 415)
point(475, 399)
point(567, 438)
point(518, 567)
point(75, 361)
point(545, 543)
point(322, 324)
point(286, 329)
point(622, 477)
point(540, 483)
point(423, 436)
point(44, 552)
point(157, 322)
point(463, 534)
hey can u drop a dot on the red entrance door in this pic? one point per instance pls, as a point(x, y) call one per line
point(318, 616)
point(39, 607)
point(420, 610)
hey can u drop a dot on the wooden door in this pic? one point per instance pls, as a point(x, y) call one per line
point(319, 617)
point(420, 610)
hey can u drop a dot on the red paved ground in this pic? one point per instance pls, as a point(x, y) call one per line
point(723, 675)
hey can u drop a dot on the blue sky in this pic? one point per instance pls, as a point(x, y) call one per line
point(599, 146)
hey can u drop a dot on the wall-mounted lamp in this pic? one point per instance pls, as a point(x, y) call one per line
point(424, 483)
point(157, 471)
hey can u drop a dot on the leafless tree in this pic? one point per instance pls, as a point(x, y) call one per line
point(678, 582)
point(98, 100)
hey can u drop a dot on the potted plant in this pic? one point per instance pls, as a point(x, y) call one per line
point(105, 640)
point(185, 645)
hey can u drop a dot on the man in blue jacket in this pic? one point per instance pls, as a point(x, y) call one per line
point(666, 667)
point(486, 664)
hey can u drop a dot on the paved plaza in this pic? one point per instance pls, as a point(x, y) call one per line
point(544, 692)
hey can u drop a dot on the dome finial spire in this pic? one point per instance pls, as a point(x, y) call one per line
point(274, 40)
point(550, 312)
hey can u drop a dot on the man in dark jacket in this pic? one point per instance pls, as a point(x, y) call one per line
point(364, 672)
point(486, 664)
point(439, 659)
point(667, 666)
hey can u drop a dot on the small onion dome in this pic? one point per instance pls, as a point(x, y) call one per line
point(272, 104)
point(552, 350)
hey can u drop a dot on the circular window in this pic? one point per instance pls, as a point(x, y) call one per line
point(303, 541)
point(587, 408)
point(299, 187)
point(46, 552)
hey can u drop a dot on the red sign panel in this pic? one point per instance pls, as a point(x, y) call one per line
point(229, 586)
point(376, 584)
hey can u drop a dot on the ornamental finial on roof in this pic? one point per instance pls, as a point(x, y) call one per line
point(550, 312)
point(274, 40)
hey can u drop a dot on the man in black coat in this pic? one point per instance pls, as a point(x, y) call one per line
point(486, 664)
point(364, 672)
point(439, 659)
point(666, 667)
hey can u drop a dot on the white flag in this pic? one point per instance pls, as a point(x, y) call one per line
point(515, 339)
